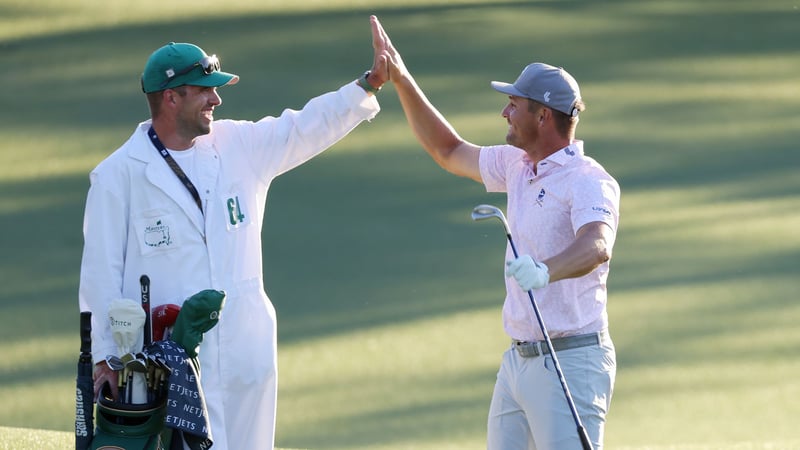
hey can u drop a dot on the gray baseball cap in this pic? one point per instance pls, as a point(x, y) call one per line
point(546, 84)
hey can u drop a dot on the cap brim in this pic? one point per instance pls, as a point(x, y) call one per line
point(506, 88)
point(215, 79)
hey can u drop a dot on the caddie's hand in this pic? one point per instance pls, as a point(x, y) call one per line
point(396, 68)
point(529, 274)
point(379, 73)
point(103, 374)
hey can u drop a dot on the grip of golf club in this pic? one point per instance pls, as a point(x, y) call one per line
point(86, 334)
point(144, 282)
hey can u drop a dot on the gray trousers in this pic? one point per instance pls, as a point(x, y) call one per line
point(529, 410)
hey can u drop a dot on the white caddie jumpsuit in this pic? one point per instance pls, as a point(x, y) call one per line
point(140, 219)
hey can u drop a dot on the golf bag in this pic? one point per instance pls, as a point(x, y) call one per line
point(174, 414)
point(131, 427)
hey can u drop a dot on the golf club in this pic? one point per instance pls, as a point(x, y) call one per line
point(84, 392)
point(127, 320)
point(483, 212)
point(137, 379)
point(114, 363)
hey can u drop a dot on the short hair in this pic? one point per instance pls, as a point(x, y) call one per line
point(565, 123)
point(154, 99)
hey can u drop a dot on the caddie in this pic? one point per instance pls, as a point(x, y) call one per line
point(183, 201)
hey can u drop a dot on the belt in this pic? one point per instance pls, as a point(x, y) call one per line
point(529, 349)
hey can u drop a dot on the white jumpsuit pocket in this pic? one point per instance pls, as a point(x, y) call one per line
point(156, 231)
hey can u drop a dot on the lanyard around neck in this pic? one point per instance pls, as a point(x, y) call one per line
point(175, 167)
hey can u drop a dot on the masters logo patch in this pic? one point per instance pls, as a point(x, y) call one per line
point(157, 235)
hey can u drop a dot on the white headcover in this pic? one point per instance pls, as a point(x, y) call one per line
point(127, 323)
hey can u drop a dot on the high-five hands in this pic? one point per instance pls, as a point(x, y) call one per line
point(395, 69)
point(529, 274)
point(379, 73)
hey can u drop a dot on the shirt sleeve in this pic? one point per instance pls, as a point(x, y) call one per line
point(105, 232)
point(494, 167)
point(595, 198)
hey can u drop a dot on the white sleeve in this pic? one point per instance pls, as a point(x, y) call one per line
point(274, 145)
point(105, 235)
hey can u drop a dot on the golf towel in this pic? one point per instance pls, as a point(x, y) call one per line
point(186, 406)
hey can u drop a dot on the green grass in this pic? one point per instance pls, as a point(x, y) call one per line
point(388, 305)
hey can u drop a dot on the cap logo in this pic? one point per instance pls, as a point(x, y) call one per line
point(170, 73)
point(547, 97)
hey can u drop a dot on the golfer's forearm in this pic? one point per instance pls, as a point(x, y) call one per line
point(590, 249)
point(572, 264)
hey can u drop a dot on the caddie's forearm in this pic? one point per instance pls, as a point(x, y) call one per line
point(431, 129)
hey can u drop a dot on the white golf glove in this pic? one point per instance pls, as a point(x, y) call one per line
point(529, 274)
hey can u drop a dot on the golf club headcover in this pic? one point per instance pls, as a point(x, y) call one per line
point(127, 321)
point(164, 317)
point(199, 313)
point(529, 274)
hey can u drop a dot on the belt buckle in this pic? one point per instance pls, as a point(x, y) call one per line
point(528, 349)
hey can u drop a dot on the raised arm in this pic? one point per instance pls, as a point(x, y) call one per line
point(430, 127)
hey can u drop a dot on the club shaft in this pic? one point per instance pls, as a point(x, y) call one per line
point(582, 434)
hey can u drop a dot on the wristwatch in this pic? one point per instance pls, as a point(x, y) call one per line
point(365, 84)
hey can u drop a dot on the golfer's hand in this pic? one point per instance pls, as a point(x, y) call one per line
point(103, 373)
point(529, 274)
point(396, 69)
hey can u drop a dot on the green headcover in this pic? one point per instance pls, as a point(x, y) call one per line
point(199, 313)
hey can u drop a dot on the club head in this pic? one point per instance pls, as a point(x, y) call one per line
point(137, 364)
point(127, 358)
point(114, 363)
point(483, 212)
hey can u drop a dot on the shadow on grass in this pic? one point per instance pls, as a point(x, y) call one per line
point(417, 410)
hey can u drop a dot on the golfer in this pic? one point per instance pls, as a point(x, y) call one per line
point(183, 201)
point(563, 210)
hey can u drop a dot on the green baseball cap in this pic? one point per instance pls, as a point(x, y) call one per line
point(179, 64)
